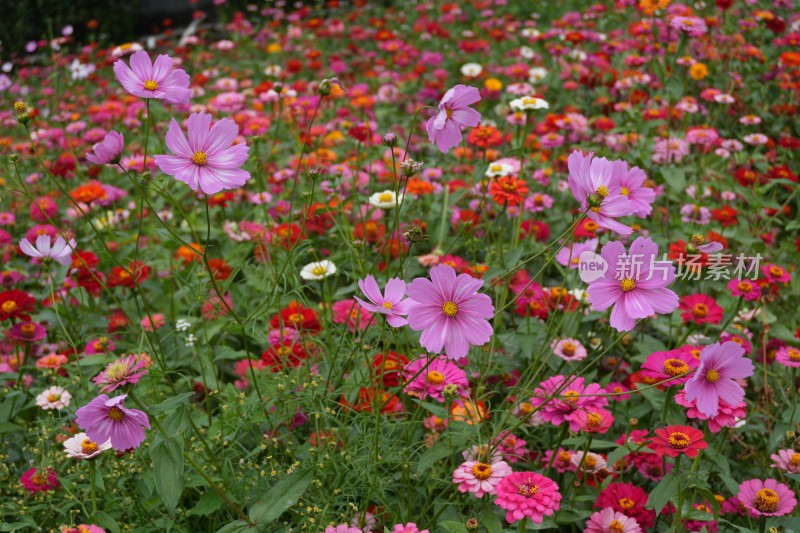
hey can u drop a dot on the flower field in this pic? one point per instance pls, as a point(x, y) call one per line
point(421, 267)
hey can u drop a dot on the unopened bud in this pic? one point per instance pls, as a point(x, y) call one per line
point(790, 435)
point(415, 234)
point(633, 422)
point(390, 140)
point(14, 157)
point(146, 175)
point(278, 88)
point(410, 167)
point(325, 88)
point(450, 391)
point(594, 201)
point(314, 173)
point(471, 524)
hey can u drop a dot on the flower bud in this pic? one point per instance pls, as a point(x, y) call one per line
point(278, 88)
point(471, 524)
point(390, 140)
point(325, 88)
point(450, 391)
point(409, 167)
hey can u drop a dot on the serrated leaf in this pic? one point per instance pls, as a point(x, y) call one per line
point(167, 456)
point(284, 494)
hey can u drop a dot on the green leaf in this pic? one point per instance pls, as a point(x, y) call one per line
point(209, 502)
point(281, 497)
point(13, 526)
point(167, 456)
point(105, 521)
point(617, 454)
point(675, 178)
point(451, 526)
point(491, 522)
point(9, 427)
point(171, 403)
point(438, 451)
point(667, 488)
point(234, 527)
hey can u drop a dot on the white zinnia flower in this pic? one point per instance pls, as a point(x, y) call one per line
point(53, 398)
point(318, 270)
point(471, 70)
point(386, 199)
point(528, 103)
point(82, 447)
point(536, 74)
point(497, 170)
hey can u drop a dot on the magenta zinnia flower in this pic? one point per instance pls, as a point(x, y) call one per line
point(528, 494)
point(392, 304)
point(444, 129)
point(207, 161)
point(766, 498)
point(154, 80)
point(593, 185)
point(635, 284)
point(480, 478)
point(39, 480)
point(103, 419)
point(662, 366)
point(108, 151)
point(720, 366)
point(449, 312)
point(121, 372)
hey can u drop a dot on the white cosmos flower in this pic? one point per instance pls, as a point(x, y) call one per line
point(318, 270)
point(471, 70)
point(386, 199)
point(60, 251)
point(528, 103)
point(53, 398)
point(82, 447)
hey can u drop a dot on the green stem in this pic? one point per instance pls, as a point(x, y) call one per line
point(93, 475)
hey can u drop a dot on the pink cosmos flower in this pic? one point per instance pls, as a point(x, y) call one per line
point(103, 419)
point(429, 377)
point(207, 161)
point(121, 372)
point(108, 151)
point(610, 521)
point(766, 498)
point(786, 461)
point(631, 183)
point(635, 284)
point(153, 80)
point(59, 251)
point(391, 304)
point(449, 312)
point(84, 528)
point(480, 478)
point(528, 494)
point(444, 129)
point(571, 256)
point(720, 366)
point(593, 185)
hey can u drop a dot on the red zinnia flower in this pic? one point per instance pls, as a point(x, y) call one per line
point(676, 440)
point(15, 304)
point(297, 316)
point(120, 277)
point(629, 500)
point(700, 309)
point(725, 216)
point(508, 190)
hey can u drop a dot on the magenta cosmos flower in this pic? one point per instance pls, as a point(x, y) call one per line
point(592, 183)
point(108, 151)
point(390, 303)
point(153, 80)
point(635, 284)
point(107, 419)
point(610, 521)
point(449, 312)
point(444, 128)
point(208, 161)
point(766, 498)
point(528, 494)
point(480, 478)
point(714, 380)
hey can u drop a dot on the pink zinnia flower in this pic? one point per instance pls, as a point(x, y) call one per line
point(635, 284)
point(45, 249)
point(628, 499)
point(610, 521)
point(147, 80)
point(207, 161)
point(449, 312)
point(775, 273)
point(84, 528)
point(786, 460)
point(429, 377)
point(661, 366)
point(27, 332)
point(39, 480)
point(528, 494)
point(631, 184)
point(391, 304)
point(593, 420)
point(348, 312)
point(788, 356)
point(106, 419)
point(480, 478)
point(410, 527)
point(108, 151)
point(342, 528)
point(121, 372)
point(720, 366)
point(557, 403)
point(593, 185)
point(766, 498)
point(444, 129)
point(727, 417)
point(568, 349)
point(744, 288)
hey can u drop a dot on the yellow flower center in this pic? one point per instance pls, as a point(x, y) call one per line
point(602, 191)
point(794, 460)
point(150, 85)
point(386, 197)
point(52, 398)
point(679, 441)
point(616, 526)
point(116, 371)
point(568, 349)
point(564, 457)
point(776, 271)
point(38, 479)
point(450, 309)
point(593, 420)
point(698, 240)
point(627, 503)
point(712, 376)
point(116, 414)
point(387, 305)
point(28, 330)
point(627, 285)
point(527, 489)
point(9, 307)
point(571, 397)
point(744, 286)
point(794, 355)
point(435, 378)
point(319, 270)
point(675, 367)
point(590, 461)
point(199, 158)
point(482, 471)
point(700, 310)
point(449, 112)
point(766, 501)
point(88, 447)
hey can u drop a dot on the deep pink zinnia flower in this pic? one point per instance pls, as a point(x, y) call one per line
point(593, 185)
point(108, 151)
point(480, 478)
point(628, 499)
point(720, 366)
point(121, 372)
point(557, 403)
point(700, 309)
point(766, 498)
point(103, 419)
point(390, 304)
point(154, 80)
point(444, 128)
point(449, 312)
point(208, 161)
point(635, 284)
point(27, 332)
point(39, 480)
point(788, 356)
point(528, 494)
point(429, 377)
point(662, 366)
